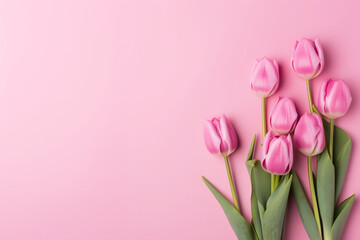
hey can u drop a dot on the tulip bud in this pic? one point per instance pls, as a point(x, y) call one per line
point(307, 58)
point(309, 134)
point(220, 137)
point(283, 116)
point(334, 98)
point(264, 78)
point(278, 153)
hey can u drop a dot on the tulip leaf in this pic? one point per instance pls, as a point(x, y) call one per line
point(251, 150)
point(274, 215)
point(255, 211)
point(341, 214)
point(260, 192)
point(261, 181)
point(258, 178)
point(315, 182)
point(250, 155)
point(326, 190)
point(254, 230)
point(261, 213)
point(304, 208)
point(275, 193)
point(342, 150)
point(239, 225)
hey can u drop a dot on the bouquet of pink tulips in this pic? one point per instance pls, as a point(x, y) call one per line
point(272, 177)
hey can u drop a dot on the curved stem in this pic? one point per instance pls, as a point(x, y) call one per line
point(233, 192)
point(309, 95)
point(313, 197)
point(331, 139)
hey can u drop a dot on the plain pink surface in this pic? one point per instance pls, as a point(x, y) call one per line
point(103, 102)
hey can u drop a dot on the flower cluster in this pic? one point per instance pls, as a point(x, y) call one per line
point(307, 132)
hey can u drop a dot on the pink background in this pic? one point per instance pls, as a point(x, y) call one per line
point(102, 105)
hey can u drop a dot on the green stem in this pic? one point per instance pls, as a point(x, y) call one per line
point(275, 179)
point(263, 117)
point(328, 235)
point(331, 140)
point(313, 197)
point(309, 95)
point(236, 203)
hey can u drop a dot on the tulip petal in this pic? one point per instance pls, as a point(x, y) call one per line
point(223, 145)
point(291, 153)
point(309, 134)
point(228, 135)
point(320, 137)
point(320, 53)
point(276, 86)
point(277, 153)
point(306, 60)
point(277, 158)
point(337, 99)
point(283, 116)
point(322, 95)
point(305, 134)
point(211, 137)
point(264, 77)
point(292, 56)
point(267, 141)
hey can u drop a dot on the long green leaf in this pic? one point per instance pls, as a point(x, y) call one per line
point(326, 190)
point(251, 150)
point(260, 192)
point(256, 221)
point(274, 215)
point(342, 150)
point(341, 213)
point(277, 191)
point(261, 213)
point(261, 182)
point(240, 226)
point(254, 230)
point(250, 155)
point(255, 210)
point(304, 208)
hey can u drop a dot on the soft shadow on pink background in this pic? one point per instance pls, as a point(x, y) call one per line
point(102, 105)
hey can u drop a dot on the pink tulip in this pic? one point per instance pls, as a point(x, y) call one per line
point(334, 98)
point(307, 58)
point(278, 153)
point(309, 134)
point(283, 116)
point(220, 137)
point(264, 78)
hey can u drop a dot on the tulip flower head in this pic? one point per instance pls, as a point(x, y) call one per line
point(220, 137)
point(264, 78)
point(283, 116)
point(334, 98)
point(307, 58)
point(278, 154)
point(309, 136)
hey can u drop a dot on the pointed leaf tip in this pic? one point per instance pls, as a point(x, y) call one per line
point(239, 225)
point(342, 212)
point(251, 150)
